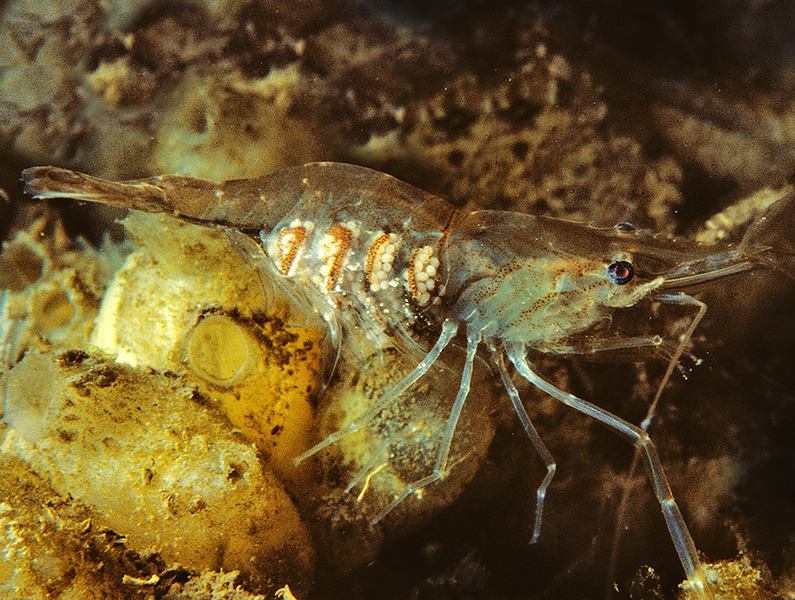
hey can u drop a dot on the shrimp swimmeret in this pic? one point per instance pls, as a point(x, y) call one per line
point(379, 257)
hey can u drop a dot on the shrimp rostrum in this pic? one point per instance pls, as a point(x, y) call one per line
point(384, 261)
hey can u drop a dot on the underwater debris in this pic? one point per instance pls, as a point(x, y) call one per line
point(213, 586)
point(228, 126)
point(735, 580)
point(52, 546)
point(51, 294)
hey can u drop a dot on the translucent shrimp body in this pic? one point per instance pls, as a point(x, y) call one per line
point(385, 263)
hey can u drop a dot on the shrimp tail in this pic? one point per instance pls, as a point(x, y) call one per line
point(236, 203)
point(770, 241)
point(143, 194)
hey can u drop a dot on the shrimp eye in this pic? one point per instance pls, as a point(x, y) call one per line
point(620, 272)
point(625, 227)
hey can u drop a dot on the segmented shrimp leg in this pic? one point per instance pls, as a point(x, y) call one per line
point(440, 467)
point(683, 299)
point(685, 547)
point(535, 438)
point(449, 329)
point(606, 345)
point(524, 418)
point(621, 515)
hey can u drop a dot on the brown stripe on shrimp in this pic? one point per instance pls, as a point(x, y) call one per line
point(288, 244)
point(421, 280)
point(380, 260)
point(333, 250)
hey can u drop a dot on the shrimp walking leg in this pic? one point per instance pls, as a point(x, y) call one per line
point(607, 345)
point(701, 309)
point(535, 438)
point(685, 547)
point(449, 330)
point(440, 467)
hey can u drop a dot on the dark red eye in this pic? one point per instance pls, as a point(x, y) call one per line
point(620, 272)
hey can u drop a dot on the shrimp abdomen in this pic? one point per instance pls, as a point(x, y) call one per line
point(257, 204)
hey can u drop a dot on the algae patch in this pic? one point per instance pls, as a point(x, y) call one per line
point(189, 300)
point(156, 465)
point(173, 450)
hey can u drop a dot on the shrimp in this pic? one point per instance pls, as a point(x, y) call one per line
point(384, 262)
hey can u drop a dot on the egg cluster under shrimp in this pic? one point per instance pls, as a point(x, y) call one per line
point(421, 275)
point(380, 261)
point(369, 278)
